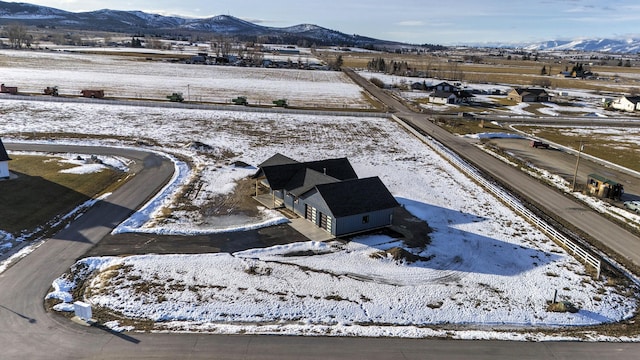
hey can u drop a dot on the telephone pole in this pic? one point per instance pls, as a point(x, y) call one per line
point(575, 173)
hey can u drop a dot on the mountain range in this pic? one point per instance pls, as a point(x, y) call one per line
point(594, 45)
point(138, 22)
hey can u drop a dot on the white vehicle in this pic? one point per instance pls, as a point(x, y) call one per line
point(633, 205)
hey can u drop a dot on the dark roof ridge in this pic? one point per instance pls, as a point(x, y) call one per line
point(3, 152)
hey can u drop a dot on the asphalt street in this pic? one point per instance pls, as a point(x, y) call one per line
point(554, 203)
point(28, 331)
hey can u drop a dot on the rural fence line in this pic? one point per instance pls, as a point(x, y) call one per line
point(452, 157)
point(506, 197)
point(185, 105)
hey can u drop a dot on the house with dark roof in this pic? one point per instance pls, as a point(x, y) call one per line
point(443, 86)
point(528, 95)
point(327, 193)
point(626, 103)
point(447, 97)
point(4, 162)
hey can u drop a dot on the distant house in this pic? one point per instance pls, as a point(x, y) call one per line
point(626, 103)
point(448, 97)
point(528, 95)
point(327, 193)
point(444, 86)
point(4, 162)
point(443, 97)
point(419, 86)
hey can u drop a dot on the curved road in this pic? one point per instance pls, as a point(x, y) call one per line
point(28, 331)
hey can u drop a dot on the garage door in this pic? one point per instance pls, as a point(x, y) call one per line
point(310, 213)
point(325, 222)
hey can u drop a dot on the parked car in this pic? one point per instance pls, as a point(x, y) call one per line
point(633, 205)
point(539, 144)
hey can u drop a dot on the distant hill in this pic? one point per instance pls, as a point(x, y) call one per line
point(138, 22)
point(621, 46)
point(598, 45)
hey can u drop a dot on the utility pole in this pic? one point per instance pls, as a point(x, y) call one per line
point(575, 173)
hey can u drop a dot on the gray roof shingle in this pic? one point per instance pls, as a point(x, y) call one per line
point(356, 196)
point(3, 153)
point(279, 175)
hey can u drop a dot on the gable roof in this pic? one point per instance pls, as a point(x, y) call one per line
point(280, 175)
point(633, 99)
point(531, 91)
point(356, 196)
point(3, 153)
point(306, 179)
point(277, 159)
point(442, 94)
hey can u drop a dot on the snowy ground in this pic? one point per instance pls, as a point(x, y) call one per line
point(625, 137)
point(567, 102)
point(486, 265)
point(121, 76)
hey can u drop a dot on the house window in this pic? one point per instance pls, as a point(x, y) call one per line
point(365, 219)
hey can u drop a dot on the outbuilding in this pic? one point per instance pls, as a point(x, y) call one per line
point(602, 187)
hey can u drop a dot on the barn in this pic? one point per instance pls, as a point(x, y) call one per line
point(327, 193)
point(4, 162)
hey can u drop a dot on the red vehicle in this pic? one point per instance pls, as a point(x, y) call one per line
point(96, 94)
point(8, 89)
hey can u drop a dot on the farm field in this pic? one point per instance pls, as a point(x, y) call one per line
point(485, 273)
point(137, 78)
point(573, 102)
point(487, 267)
point(516, 72)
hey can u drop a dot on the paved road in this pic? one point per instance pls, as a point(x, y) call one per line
point(563, 164)
point(28, 331)
point(554, 203)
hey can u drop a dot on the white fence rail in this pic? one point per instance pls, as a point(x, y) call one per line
point(509, 199)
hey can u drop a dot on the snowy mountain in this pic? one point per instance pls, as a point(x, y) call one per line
point(599, 45)
point(141, 22)
point(14, 11)
point(623, 46)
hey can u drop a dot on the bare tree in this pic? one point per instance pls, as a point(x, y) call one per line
point(17, 34)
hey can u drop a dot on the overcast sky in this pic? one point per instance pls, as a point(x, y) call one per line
point(413, 21)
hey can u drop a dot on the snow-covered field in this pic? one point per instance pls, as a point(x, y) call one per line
point(567, 102)
point(121, 76)
point(485, 267)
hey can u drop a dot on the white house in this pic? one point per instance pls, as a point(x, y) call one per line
point(443, 97)
point(4, 162)
point(626, 103)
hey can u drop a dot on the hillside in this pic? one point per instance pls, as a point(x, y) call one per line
point(139, 22)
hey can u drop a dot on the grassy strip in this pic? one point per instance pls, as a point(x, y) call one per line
point(41, 192)
point(500, 70)
point(600, 146)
